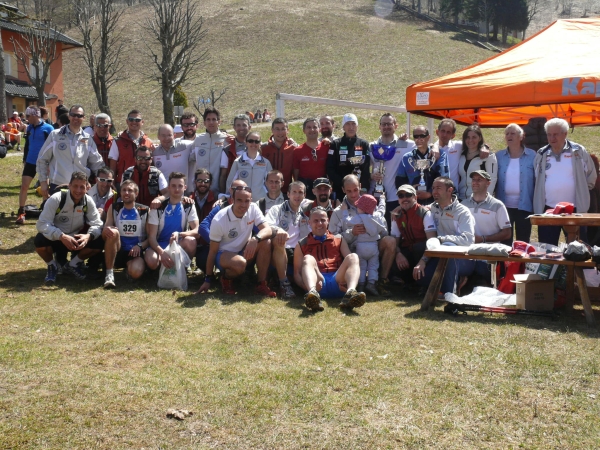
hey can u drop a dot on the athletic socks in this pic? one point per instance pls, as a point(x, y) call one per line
point(74, 261)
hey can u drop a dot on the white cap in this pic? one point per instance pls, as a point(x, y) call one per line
point(15, 112)
point(177, 129)
point(349, 117)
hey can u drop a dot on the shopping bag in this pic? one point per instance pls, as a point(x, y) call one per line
point(176, 276)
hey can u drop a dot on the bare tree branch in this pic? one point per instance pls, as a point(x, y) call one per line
point(103, 42)
point(37, 53)
point(176, 31)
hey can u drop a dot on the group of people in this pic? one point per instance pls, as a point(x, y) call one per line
point(331, 216)
point(259, 116)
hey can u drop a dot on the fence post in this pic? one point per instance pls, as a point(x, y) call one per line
point(279, 107)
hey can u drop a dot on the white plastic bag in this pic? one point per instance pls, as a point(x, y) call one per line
point(176, 276)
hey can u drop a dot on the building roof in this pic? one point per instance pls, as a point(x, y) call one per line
point(21, 90)
point(60, 37)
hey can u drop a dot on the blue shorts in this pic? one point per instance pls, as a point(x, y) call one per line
point(218, 258)
point(330, 287)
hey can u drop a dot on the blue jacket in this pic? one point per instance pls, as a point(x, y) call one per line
point(408, 175)
point(526, 178)
point(36, 136)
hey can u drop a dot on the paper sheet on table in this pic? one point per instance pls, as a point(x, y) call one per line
point(483, 296)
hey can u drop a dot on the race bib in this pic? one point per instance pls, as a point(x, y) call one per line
point(130, 228)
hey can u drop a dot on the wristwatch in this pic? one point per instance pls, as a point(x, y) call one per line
point(139, 244)
point(258, 238)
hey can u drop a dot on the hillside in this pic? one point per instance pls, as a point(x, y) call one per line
point(322, 48)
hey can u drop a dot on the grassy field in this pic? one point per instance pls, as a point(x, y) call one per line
point(84, 368)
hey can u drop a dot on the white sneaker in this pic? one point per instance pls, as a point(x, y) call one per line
point(109, 281)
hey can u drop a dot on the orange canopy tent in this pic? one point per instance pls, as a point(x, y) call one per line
point(554, 73)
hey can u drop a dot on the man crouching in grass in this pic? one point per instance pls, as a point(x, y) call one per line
point(325, 267)
point(70, 222)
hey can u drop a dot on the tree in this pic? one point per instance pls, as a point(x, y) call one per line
point(37, 52)
point(98, 23)
point(180, 97)
point(177, 30)
point(214, 98)
point(452, 8)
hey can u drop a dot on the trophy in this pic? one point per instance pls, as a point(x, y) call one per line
point(422, 165)
point(382, 153)
point(356, 161)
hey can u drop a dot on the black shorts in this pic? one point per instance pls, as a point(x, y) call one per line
point(290, 254)
point(29, 170)
point(59, 248)
point(123, 257)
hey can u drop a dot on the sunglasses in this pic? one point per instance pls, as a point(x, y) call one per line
point(103, 125)
point(407, 195)
point(253, 141)
point(79, 116)
point(105, 180)
point(203, 181)
point(134, 119)
point(242, 188)
point(420, 136)
point(188, 125)
point(314, 154)
point(143, 158)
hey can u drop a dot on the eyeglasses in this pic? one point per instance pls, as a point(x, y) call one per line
point(188, 125)
point(79, 116)
point(134, 119)
point(420, 136)
point(387, 124)
point(253, 141)
point(202, 181)
point(143, 158)
point(105, 180)
point(314, 154)
point(242, 188)
point(407, 195)
point(103, 125)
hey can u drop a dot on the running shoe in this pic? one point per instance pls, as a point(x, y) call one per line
point(109, 281)
point(286, 290)
point(51, 274)
point(227, 286)
point(76, 271)
point(264, 289)
point(312, 299)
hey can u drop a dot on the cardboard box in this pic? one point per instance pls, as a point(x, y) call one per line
point(534, 293)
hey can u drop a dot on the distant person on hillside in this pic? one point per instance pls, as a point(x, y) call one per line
point(266, 116)
point(279, 150)
point(257, 116)
point(122, 153)
point(251, 115)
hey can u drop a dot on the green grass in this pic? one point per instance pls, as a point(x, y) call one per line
point(84, 368)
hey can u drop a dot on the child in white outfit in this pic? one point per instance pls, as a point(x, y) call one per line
point(366, 244)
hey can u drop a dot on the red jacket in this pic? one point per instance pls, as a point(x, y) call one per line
point(328, 253)
point(127, 149)
point(104, 147)
point(281, 159)
point(411, 227)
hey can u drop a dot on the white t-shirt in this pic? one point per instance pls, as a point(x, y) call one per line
point(490, 215)
point(391, 167)
point(453, 150)
point(512, 188)
point(231, 232)
point(560, 180)
point(175, 159)
point(428, 225)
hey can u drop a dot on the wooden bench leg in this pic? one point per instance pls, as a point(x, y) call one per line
point(435, 285)
point(585, 298)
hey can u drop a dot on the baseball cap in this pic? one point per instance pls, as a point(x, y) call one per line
point(15, 113)
point(481, 173)
point(407, 188)
point(177, 129)
point(367, 203)
point(319, 181)
point(349, 117)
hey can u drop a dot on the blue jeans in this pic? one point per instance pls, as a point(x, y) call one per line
point(450, 276)
point(468, 267)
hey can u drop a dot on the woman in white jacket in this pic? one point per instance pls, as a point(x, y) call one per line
point(251, 167)
point(472, 142)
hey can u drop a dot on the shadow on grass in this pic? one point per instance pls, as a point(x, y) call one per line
point(21, 249)
point(193, 300)
point(563, 323)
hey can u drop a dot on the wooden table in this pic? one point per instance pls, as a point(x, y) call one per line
point(460, 253)
point(571, 224)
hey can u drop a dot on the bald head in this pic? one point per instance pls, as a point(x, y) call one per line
point(166, 136)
